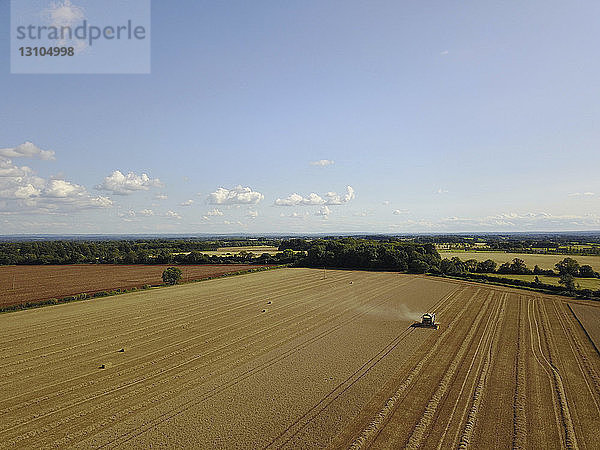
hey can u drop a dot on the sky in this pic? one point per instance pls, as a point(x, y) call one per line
point(315, 117)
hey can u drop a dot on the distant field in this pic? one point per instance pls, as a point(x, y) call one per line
point(21, 284)
point(585, 283)
point(258, 250)
point(544, 261)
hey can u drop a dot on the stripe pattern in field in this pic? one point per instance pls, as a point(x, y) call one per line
point(300, 358)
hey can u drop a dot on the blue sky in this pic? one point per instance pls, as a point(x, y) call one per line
point(439, 116)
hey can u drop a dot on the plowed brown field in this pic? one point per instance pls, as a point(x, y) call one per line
point(21, 284)
point(291, 359)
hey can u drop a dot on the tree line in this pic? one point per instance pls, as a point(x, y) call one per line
point(154, 251)
point(568, 266)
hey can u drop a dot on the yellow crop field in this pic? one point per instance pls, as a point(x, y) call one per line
point(256, 250)
point(544, 261)
point(301, 358)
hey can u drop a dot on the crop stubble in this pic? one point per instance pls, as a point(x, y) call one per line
point(329, 363)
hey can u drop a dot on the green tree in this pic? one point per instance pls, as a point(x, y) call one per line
point(487, 266)
point(171, 275)
point(586, 271)
point(567, 280)
point(518, 267)
point(568, 266)
point(471, 265)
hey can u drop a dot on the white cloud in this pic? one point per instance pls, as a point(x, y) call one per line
point(296, 199)
point(322, 163)
point(187, 203)
point(441, 191)
point(252, 214)
point(398, 212)
point(334, 198)
point(324, 211)
point(385, 203)
point(62, 189)
point(330, 198)
point(582, 194)
point(445, 52)
point(172, 215)
point(23, 191)
point(237, 196)
point(146, 212)
point(66, 14)
point(130, 214)
point(214, 212)
point(121, 184)
point(161, 196)
point(101, 202)
point(26, 150)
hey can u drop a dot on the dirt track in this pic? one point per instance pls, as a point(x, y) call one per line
point(328, 362)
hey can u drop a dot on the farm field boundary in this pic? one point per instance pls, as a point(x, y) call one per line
point(111, 292)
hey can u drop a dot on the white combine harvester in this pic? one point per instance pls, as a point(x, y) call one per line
point(427, 321)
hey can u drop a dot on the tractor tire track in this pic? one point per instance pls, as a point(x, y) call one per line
point(379, 421)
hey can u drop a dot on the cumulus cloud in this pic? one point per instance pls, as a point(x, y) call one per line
point(161, 196)
point(146, 212)
point(130, 214)
point(26, 150)
point(322, 163)
point(63, 13)
point(398, 212)
point(214, 212)
point(187, 203)
point(172, 215)
point(330, 198)
point(333, 198)
point(296, 199)
point(21, 190)
point(120, 184)
point(252, 214)
point(237, 196)
point(324, 211)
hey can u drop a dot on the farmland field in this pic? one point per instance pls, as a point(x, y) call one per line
point(297, 358)
point(584, 283)
point(589, 316)
point(21, 284)
point(544, 261)
point(256, 250)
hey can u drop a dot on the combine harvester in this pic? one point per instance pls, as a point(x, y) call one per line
point(427, 321)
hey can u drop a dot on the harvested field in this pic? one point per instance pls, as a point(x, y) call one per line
point(290, 358)
point(544, 261)
point(584, 283)
point(21, 284)
point(588, 315)
point(222, 251)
